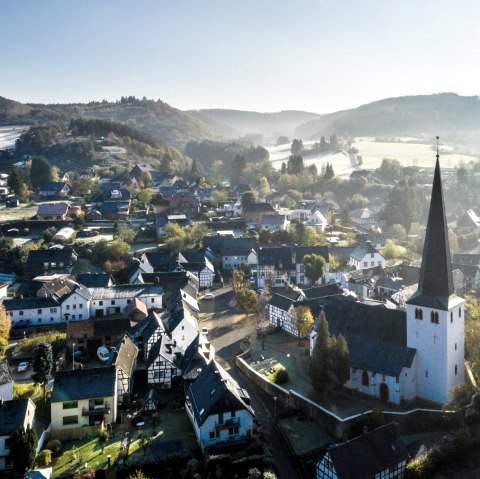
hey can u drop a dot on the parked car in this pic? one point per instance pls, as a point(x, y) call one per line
point(23, 366)
point(209, 296)
point(79, 356)
point(205, 331)
point(103, 354)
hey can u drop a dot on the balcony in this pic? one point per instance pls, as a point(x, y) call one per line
point(97, 410)
point(233, 422)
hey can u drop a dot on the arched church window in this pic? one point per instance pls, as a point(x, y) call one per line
point(365, 379)
point(451, 316)
point(418, 313)
point(434, 317)
point(459, 312)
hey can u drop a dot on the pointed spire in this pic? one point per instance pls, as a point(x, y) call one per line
point(436, 270)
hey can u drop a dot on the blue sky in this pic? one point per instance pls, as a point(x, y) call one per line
point(263, 55)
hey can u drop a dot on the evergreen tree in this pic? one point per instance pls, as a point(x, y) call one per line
point(23, 443)
point(318, 367)
point(295, 165)
point(41, 171)
point(297, 147)
point(323, 144)
point(248, 198)
point(329, 173)
point(43, 364)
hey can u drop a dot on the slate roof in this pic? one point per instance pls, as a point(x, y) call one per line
point(53, 186)
point(467, 258)
point(469, 220)
point(281, 302)
point(435, 285)
point(363, 249)
point(369, 454)
point(125, 356)
point(273, 219)
point(36, 258)
point(15, 304)
point(154, 323)
point(84, 384)
point(259, 208)
point(281, 257)
point(110, 327)
point(323, 291)
point(99, 280)
point(128, 291)
point(5, 376)
point(12, 415)
point(161, 260)
point(170, 280)
point(301, 251)
point(376, 336)
point(215, 391)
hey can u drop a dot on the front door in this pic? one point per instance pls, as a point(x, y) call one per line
point(383, 392)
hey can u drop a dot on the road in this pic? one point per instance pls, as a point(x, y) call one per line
point(226, 330)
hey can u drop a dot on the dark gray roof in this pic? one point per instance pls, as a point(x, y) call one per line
point(154, 323)
point(369, 454)
point(322, 291)
point(281, 257)
point(362, 249)
point(30, 303)
point(55, 186)
point(301, 251)
point(341, 252)
point(281, 302)
point(111, 327)
point(215, 391)
point(99, 280)
point(435, 284)
point(12, 415)
point(37, 258)
point(84, 384)
point(125, 356)
point(259, 208)
point(376, 336)
point(467, 258)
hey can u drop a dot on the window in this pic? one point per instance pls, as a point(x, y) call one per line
point(379, 263)
point(70, 420)
point(459, 312)
point(79, 316)
point(418, 313)
point(129, 301)
point(51, 319)
point(211, 434)
point(232, 431)
point(39, 311)
point(455, 346)
point(365, 379)
point(73, 316)
point(99, 402)
point(373, 263)
point(372, 255)
point(100, 303)
point(39, 320)
point(7, 443)
point(232, 414)
point(80, 305)
point(113, 302)
point(74, 306)
point(70, 405)
point(451, 316)
point(365, 264)
point(456, 369)
point(20, 313)
point(53, 310)
point(153, 300)
point(434, 317)
point(68, 306)
point(220, 418)
point(426, 374)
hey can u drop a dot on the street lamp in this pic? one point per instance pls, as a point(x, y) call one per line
point(275, 407)
point(73, 356)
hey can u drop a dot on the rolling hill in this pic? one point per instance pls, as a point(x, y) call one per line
point(445, 114)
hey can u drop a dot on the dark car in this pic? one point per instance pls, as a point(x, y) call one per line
point(79, 356)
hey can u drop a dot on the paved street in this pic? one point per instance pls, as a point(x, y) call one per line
point(227, 329)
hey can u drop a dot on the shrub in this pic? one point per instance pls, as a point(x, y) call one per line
point(280, 376)
point(24, 391)
point(44, 458)
point(55, 446)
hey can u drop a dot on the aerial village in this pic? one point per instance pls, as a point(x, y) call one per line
point(200, 326)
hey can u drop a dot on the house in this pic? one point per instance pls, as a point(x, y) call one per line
point(253, 213)
point(236, 252)
point(363, 218)
point(52, 211)
point(199, 264)
point(153, 401)
point(317, 221)
point(124, 359)
point(303, 210)
point(14, 413)
point(218, 408)
point(140, 169)
point(136, 310)
point(53, 189)
point(114, 299)
point(280, 313)
point(95, 280)
point(26, 312)
point(378, 454)
point(151, 331)
point(366, 256)
point(300, 252)
point(187, 204)
point(468, 223)
point(357, 176)
point(163, 220)
point(276, 265)
point(55, 260)
point(135, 268)
point(83, 397)
point(274, 222)
point(6, 382)
point(118, 210)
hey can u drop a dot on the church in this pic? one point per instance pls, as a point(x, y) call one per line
point(418, 353)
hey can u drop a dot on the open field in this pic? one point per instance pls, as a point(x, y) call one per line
point(9, 134)
point(372, 153)
point(22, 211)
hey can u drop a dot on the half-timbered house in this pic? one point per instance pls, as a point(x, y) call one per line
point(124, 358)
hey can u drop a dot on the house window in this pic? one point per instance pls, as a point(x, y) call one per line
point(68, 306)
point(20, 313)
point(70, 420)
point(434, 317)
point(373, 263)
point(73, 316)
point(51, 319)
point(53, 310)
point(211, 434)
point(455, 346)
point(113, 302)
point(80, 305)
point(426, 374)
point(79, 316)
point(100, 303)
point(153, 300)
point(365, 379)
point(39, 320)
point(39, 311)
point(372, 255)
point(129, 301)
point(220, 418)
point(70, 405)
point(99, 402)
point(232, 431)
point(74, 306)
point(379, 263)
point(365, 264)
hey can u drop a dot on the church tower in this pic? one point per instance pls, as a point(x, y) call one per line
point(435, 315)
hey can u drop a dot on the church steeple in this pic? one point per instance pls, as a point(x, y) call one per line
point(436, 283)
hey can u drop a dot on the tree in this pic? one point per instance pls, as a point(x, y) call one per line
point(238, 280)
point(145, 196)
point(247, 300)
point(216, 170)
point(329, 173)
point(264, 187)
point(176, 237)
point(329, 364)
point(196, 234)
point(314, 265)
point(43, 459)
point(219, 196)
point(5, 325)
point(297, 147)
point(124, 233)
point(248, 198)
point(49, 233)
point(43, 365)
point(102, 435)
point(303, 321)
point(41, 171)
point(138, 474)
point(23, 443)
point(398, 232)
point(295, 165)
point(16, 181)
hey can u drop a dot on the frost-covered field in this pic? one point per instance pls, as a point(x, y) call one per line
point(8, 135)
point(373, 153)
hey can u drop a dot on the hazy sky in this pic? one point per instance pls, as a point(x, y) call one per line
point(264, 55)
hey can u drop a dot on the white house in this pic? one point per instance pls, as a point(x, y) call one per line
point(13, 414)
point(366, 256)
point(6, 382)
point(274, 222)
point(25, 312)
point(114, 299)
point(317, 221)
point(218, 408)
point(76, 305)
point(300, 252)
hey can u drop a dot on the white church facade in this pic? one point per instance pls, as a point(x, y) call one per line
point(418, 353)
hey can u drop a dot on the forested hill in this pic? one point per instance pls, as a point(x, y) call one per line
point(236, 123)
point(443, 113)
point(156, 118)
